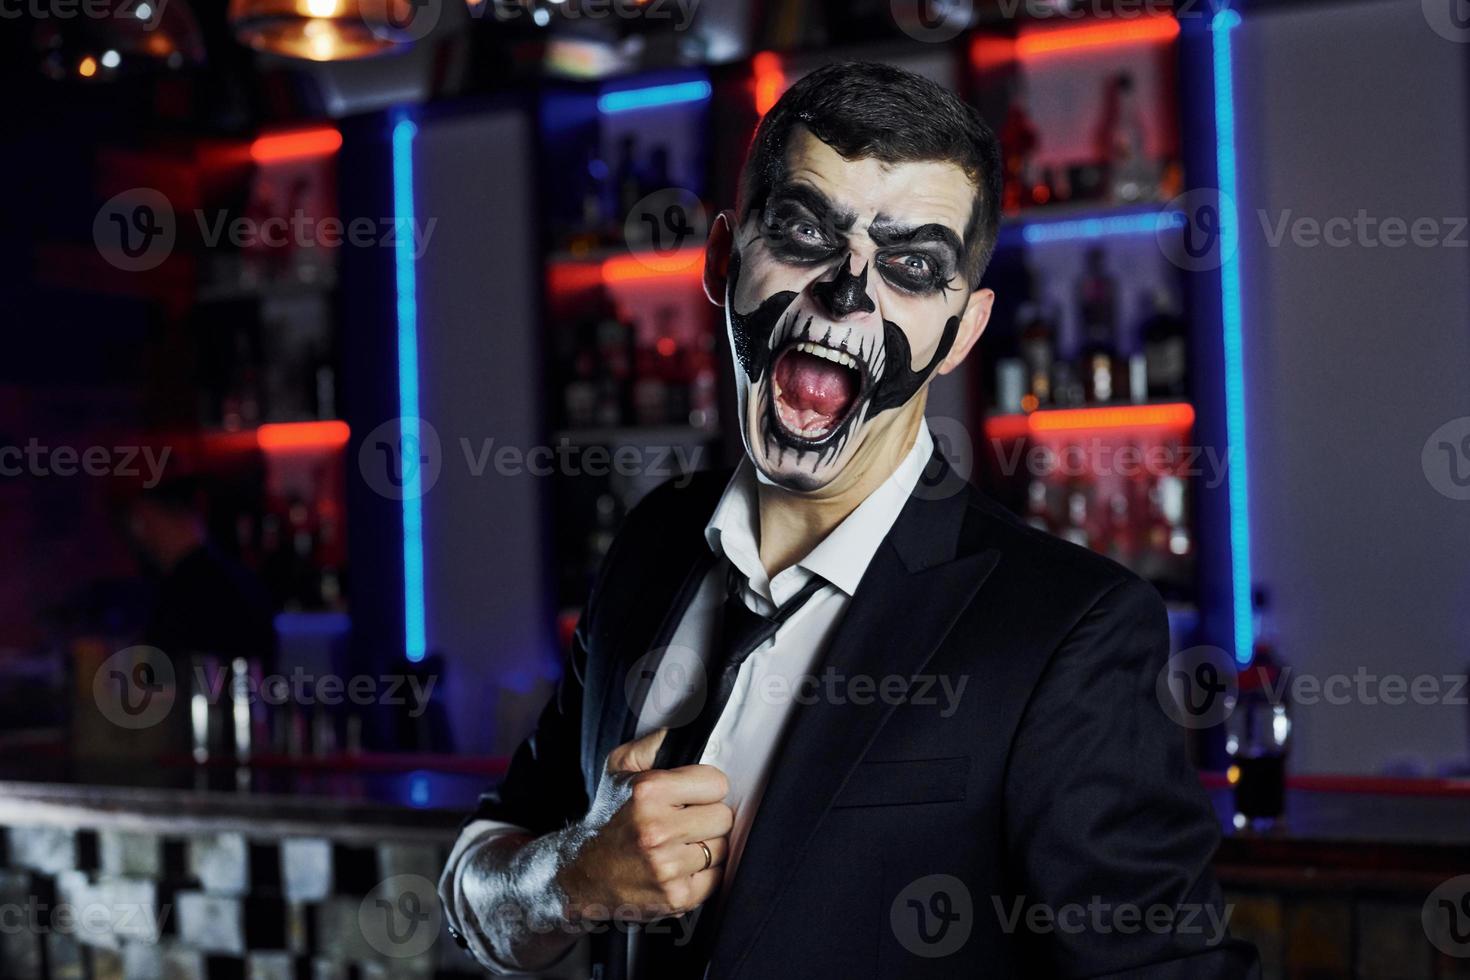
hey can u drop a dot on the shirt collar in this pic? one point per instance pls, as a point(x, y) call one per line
point(843, 555)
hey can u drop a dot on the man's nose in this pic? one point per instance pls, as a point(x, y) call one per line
point(844, 293)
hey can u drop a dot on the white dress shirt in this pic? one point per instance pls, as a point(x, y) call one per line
point(778, 676)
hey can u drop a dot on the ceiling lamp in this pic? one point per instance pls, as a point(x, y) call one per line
point(331, 30)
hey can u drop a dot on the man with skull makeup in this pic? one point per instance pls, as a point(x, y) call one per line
point(837, 714)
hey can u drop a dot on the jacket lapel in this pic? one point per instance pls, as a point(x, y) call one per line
point(918, 583)
point(660, 594)
point(620, 708)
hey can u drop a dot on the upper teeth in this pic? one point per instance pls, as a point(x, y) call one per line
point(831, 354)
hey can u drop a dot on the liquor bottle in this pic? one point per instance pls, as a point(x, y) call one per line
point(1137, 377)
point(659, 175)
point(1038, 351)
point(644, 181)
point(1165, 347)
point(1180, 543)
point(580, 395)
point(673, 367)
point(1018, 141)
point(1258, 732)
point(615, 356)
point(650, 400)
point(1010, 385)
point(1121, 545)
point(1120, 143)
point(1097, 306)
point(579, 392)
point(607, 514)
point(626, 177)
point(1010, 374)
point(1076, 529)
point(1066, 388)
point(704, 389)
point(1044, 188)
point(323, 383)
point(594, 204)
point(1038, 508)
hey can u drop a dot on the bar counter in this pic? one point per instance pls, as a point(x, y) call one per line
point(297, 870)
point(324, 869)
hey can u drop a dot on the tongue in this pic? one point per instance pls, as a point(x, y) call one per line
point(815, 388)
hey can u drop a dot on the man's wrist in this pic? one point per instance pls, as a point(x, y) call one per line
point(513, 901)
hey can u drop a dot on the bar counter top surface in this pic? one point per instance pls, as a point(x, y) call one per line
point(431, 795)
point(357, 802)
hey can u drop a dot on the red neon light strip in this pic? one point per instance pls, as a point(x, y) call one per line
point(1054, 41)
point(289, 436)
point(988, 52)
point(651, 265)
point(1097, 35)
point(770, 81)
point(296, 145)
point(1177, 415)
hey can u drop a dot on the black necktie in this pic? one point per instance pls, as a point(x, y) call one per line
point(739, 631)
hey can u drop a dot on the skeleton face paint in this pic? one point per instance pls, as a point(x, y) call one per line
point(844, 278)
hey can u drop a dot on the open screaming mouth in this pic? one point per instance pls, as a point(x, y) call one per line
point(815, 388)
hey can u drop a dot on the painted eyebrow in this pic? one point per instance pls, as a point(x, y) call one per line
point(886, 232)
point(822, 208)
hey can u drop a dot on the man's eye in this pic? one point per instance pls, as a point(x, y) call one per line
point(912, 268)
point(806, 233)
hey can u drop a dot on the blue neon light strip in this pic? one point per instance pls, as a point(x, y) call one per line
point(415, 644)
point(653, 96)
point(1235, 423)
point(1083, 229)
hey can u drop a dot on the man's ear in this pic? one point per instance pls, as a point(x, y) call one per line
point(717, 256)
point(972, 324)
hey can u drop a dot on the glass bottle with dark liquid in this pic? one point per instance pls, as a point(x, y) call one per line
point(1258, 735)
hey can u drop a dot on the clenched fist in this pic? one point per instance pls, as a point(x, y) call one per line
point(638, 857)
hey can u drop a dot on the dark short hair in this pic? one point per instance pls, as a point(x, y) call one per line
point(869, 110)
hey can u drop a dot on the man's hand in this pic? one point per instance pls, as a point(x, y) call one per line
point(639, 857)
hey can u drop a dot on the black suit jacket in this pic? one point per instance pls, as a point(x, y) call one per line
point(896, 840)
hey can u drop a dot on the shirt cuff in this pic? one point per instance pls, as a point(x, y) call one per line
point(457, 909)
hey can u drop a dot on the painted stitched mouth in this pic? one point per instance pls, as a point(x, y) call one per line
point(815, 388)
